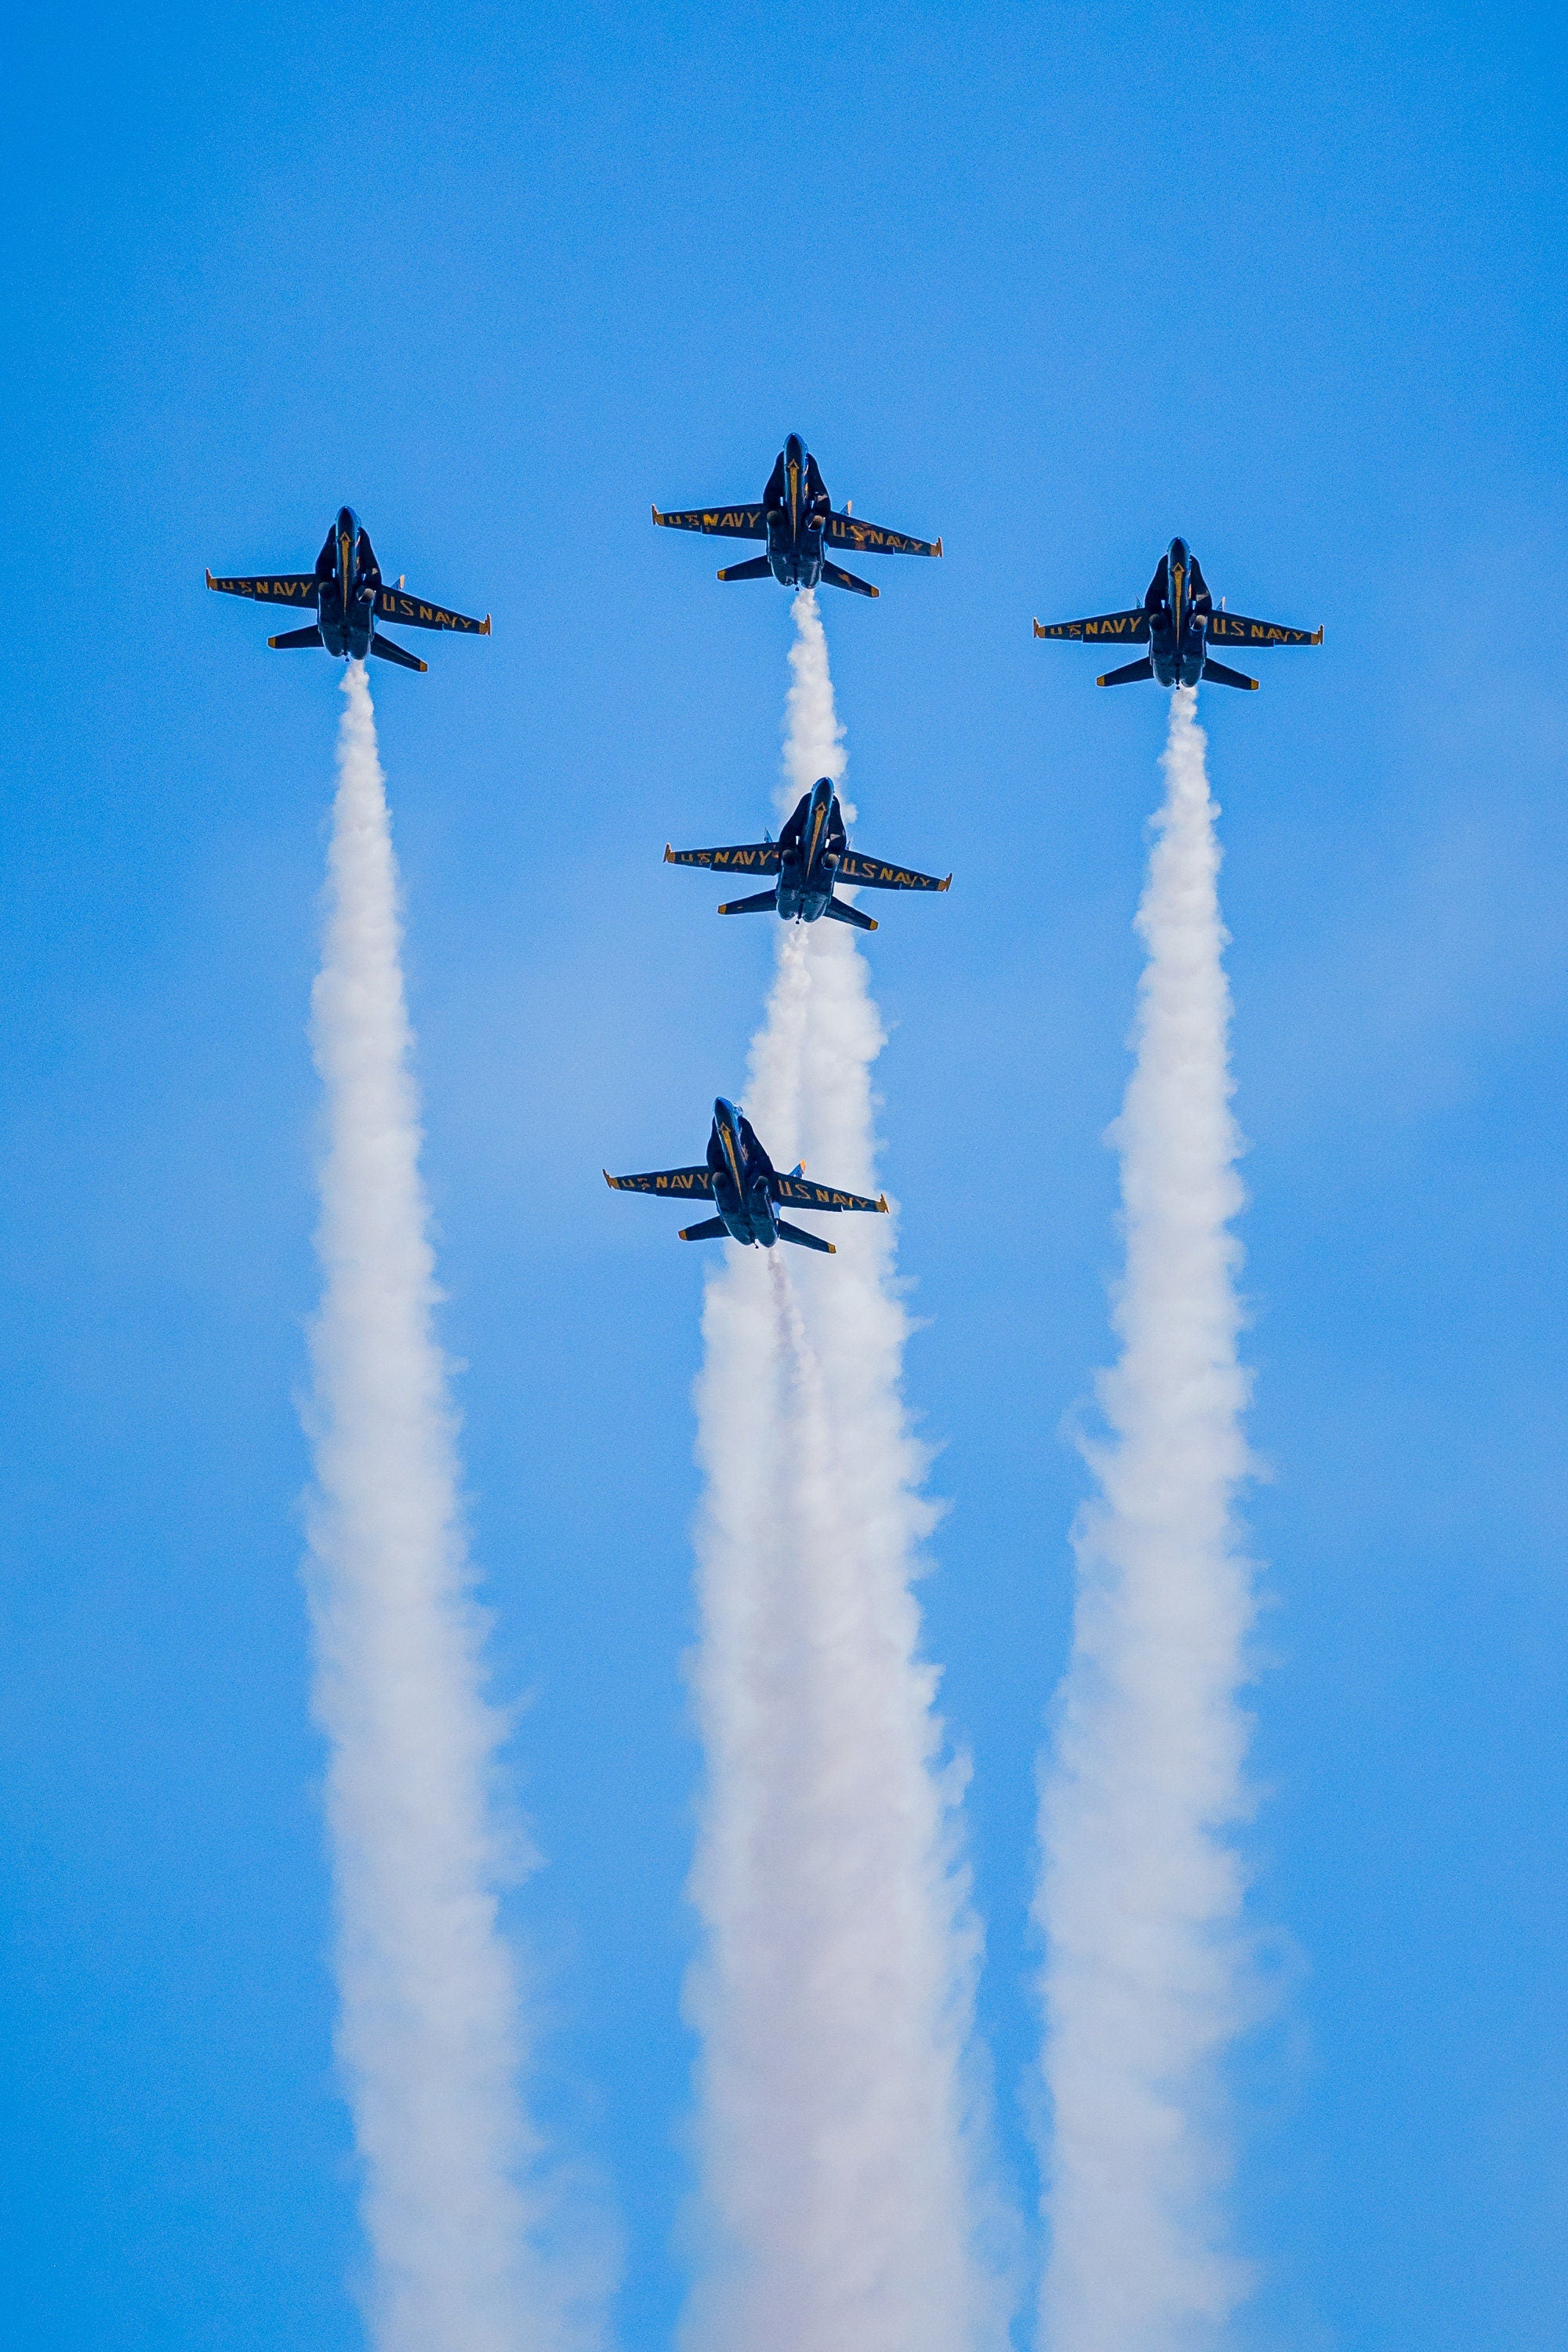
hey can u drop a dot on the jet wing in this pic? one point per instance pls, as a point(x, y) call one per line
point(720, 522)
point(683, 1182)
point(415, 612)
point(1236, 629)
point(873, 873)
point(1127, 628)
point(802, 1193)
point(746, 857)
point(848, 530)
point(276, 588)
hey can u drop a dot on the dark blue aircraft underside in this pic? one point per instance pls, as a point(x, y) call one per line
point(349, 597)
point(810, 856)
point(795, 520)
point(1178, 623)
point(745, 1188)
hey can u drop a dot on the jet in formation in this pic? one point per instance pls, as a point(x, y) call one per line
point(1178, 623)
point(745, 1188)
point(809, 857)
point(349, 596)
point(797, 520)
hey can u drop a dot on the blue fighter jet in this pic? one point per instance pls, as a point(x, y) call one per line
point(745, 1188)
point(797, 520)
point(1178, 623)
point(809, 857)
point(349, 597)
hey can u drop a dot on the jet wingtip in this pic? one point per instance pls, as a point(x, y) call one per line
point(946, 883)
point(939, 547)
point(609, 1179)
point(882, 1209)
point(655, 514)
point(213, 584)
point(669, 855)
point(1038, 631)
point(833, 1249)
point(1316, 634)
point(485, 628)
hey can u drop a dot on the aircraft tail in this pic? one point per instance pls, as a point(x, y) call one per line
point(399, 654)
point(766, 902)
point(803, 1239)
point(292, 638)
point(1128, 676)
point(759, 568)
point(842, 913)
point(712, 1229)
point(836, 578)
point(1217, 675)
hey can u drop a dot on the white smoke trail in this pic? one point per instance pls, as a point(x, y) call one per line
point(1142, 1890)
point(428, 2031)
point(834, 1996)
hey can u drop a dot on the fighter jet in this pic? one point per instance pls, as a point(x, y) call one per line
point(797, 520)
point(746, 1189)
point(346, 591)
point(809, 857)
point(1178, 623)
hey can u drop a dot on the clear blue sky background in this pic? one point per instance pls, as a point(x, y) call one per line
point(1054, 281)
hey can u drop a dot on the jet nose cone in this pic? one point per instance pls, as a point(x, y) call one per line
point(723, 1111)
point(1179, 552)
point(794, 450)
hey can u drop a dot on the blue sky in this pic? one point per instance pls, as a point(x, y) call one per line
point(1054, 282)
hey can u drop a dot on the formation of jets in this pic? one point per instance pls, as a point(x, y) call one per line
point(812, 860)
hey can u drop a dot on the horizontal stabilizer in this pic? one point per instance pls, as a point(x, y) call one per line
point(1236, 629)
point(722, 522)
point(277, 588)
point(759, 568)
point(398, 654)
point(871, 539)
point(803, 1240)
point(875, 874)
point(1129, 675)
point(744, 858)
point(712, 1229)
point(681, 1183)
point(836, 578)
point(800, 1192)
point(418, 613)
point(766, 902)
point(841, 912)
point(292, 638)
point(1126, 628)
point(1217, 675)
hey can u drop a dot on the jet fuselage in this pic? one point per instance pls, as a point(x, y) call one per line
point(349, 580)
point(1178, 604)
point(740, 1169)
point(810, 848)
point(796, 506)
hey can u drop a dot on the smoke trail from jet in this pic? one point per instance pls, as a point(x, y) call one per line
point(1141, 1889)
point(834, 1995)
point(429, 2033)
